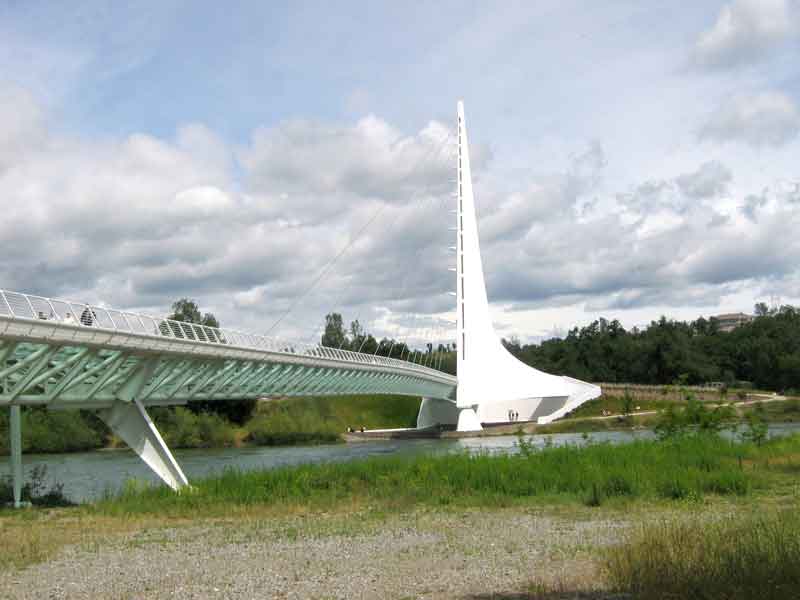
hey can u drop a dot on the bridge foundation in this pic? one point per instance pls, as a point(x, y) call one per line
point(433, 411)
point(468, 420)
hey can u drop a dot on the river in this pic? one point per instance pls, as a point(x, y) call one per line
point(87, 476)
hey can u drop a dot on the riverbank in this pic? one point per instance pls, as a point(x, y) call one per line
point(324, 420)
point(276, 422)
point(532, 525)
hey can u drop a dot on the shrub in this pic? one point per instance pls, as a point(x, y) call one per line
point(35, 490)
point(48, 431)
point(181, 428)
point(281, 429)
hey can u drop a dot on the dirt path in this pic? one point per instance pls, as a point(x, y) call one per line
point(431, 555)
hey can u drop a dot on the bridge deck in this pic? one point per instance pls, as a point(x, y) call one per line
point(71, 355)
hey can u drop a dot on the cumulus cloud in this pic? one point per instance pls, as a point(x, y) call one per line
point(679, 194)
point(710, 180)
point(311, 161)
point(549, 198)
point(666, 244)
point(142, 220)
point(764, 119)
point(744, 31)
point(21, 125)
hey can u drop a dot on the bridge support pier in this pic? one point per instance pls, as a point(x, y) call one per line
point(433, 411)
point(130, 421)
point(468, 420)
point(15, 432)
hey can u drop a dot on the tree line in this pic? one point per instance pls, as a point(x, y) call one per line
point(356, 339)
point(764, 352)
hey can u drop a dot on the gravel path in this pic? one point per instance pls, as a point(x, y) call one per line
point(470, 555)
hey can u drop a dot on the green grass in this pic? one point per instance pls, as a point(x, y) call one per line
point(685, 469)
point(787, 411)
point(614, 403)
point(756, 557)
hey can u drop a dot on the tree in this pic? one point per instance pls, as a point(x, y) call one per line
point(357, 337)
point(187, 311)
point(237, 411)
point(334, 336)
point(761, 309)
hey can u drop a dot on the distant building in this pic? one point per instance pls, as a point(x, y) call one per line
point(731, 321)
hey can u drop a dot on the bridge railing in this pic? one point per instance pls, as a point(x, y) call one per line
point(78, 314)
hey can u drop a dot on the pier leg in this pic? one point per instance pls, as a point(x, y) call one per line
point(433, 411)
point(130, 421)
point(15, 431)
point(468, 420)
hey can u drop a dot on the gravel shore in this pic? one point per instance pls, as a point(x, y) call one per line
point(501, 554)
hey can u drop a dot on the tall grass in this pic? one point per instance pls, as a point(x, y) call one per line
point(686, 469)
point(753, 558)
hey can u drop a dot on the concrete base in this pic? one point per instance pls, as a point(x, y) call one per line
point(468, 420)
point(434, 411)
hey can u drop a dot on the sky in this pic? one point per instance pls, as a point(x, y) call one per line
point(279, 161)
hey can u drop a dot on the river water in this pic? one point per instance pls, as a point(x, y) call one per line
point(86, 476)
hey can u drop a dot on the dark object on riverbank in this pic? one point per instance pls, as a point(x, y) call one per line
point(393, 434)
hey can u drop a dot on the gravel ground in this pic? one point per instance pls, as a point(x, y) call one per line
point(472, 555)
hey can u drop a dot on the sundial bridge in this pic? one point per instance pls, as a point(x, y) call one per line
point(69, 355)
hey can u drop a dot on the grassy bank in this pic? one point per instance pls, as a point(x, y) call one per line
point(687, 468)
point(755, 557)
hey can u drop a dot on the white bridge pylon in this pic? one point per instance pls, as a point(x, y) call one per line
point(68, 355)
point(493, 385)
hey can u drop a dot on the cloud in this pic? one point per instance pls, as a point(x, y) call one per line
point(679, 194)
point(140, 220)
point(752, 204)
point(370, 159)
point(549, 198)
point(665, 244)
point(745, 31)
point(764, 119)
point(709, 181)
point(21, 125)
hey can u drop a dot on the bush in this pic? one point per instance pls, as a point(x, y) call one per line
point(181, 428)
point(694, 415)
point(281, 429)
point(49, 431)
